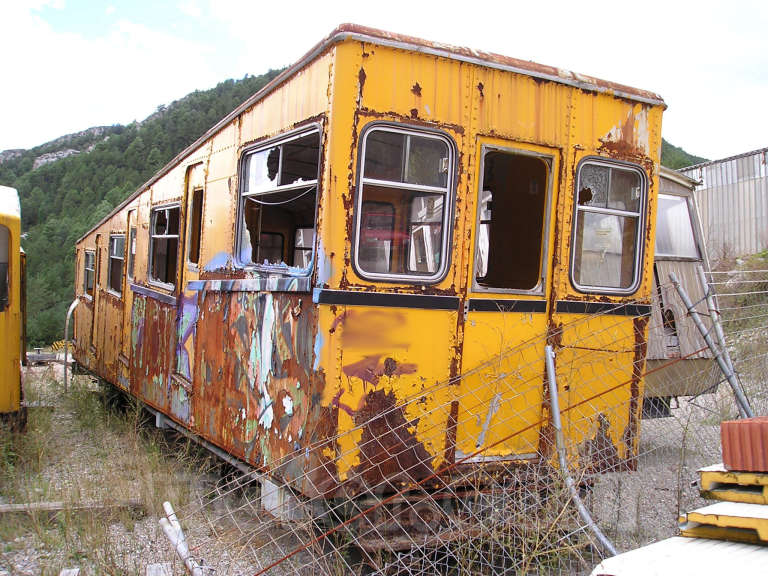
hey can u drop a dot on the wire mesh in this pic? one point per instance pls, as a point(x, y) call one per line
point(503, 507)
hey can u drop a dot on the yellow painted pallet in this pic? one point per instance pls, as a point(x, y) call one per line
point(734, 521)
point(717, 483)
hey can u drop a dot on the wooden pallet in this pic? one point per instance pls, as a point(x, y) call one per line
point(734, 521)
point(717, 483)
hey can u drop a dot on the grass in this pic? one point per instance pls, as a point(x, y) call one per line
point(93, 446)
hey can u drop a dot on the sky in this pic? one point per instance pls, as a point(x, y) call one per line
point(71, 64)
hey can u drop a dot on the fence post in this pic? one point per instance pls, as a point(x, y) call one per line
point(555, 405)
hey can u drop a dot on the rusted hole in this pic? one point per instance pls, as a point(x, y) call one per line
point(390, 366)
point(416, 89)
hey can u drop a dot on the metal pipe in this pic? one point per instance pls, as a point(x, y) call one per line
point(72, 307)
point(175, 535)
point(741, 400)
point(714, 314)
point(555, 405)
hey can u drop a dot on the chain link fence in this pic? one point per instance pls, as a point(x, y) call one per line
point(509, 515)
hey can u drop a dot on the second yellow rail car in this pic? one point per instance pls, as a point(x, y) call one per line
point(377, 225)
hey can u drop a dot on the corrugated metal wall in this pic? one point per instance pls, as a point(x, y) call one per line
point(733, 202)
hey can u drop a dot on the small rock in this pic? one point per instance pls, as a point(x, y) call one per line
point(161, 569)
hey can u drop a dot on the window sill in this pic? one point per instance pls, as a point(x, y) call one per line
point(271, 283)
point(154, 294)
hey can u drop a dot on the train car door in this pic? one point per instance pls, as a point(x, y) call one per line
point(186, 317)
point(506, 304)
point(96, 318)
point(130, 259)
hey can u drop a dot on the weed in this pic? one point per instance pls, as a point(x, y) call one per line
point(94, 447)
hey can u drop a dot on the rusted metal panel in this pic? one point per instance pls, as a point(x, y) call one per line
point(111, 343)
point(153, 346)
point(254, 376)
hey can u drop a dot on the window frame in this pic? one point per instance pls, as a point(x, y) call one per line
point(549, 161)
point(129, 269)
point(8, 280)
point(641, 216)
point(195, 264)
point(300, 132)
point(86, 252)
point(694, 230)
point(154, 210)
point(448, 209)
point(110, 257)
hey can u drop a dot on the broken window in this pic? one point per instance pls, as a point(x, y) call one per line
point(510, 234)
point(607, 224)
point(116, 261)
point(674, 228)
point(403, 204)
point(5, 259)
point(89, 272)
point(278, 204)
point(195, 226)
point(164, 245)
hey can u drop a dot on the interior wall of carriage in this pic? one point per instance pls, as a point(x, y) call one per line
point(465, 111)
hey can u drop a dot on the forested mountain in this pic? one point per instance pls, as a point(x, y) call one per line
point(676, 158)
point(69, 184)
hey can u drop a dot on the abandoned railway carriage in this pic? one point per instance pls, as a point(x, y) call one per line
point(377, 225)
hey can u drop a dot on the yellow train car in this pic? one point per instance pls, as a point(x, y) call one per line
point(12, 308)
point(326, 283)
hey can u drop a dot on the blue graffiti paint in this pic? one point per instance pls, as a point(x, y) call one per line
point(318, 348)
point(219, 261)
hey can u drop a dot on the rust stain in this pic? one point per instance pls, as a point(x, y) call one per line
point(361, 84)
point(389, 453)
point(630, 436)
point(416, 89)
point(338, 320)
point(480, 89)
point(600, 453)
point(414, 112)
point(370, 369)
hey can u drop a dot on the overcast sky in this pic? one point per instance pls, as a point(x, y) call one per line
point(71, 64)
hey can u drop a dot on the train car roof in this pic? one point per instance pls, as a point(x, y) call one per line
point(678, 177)
point(354, 32)
point(9, 201)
